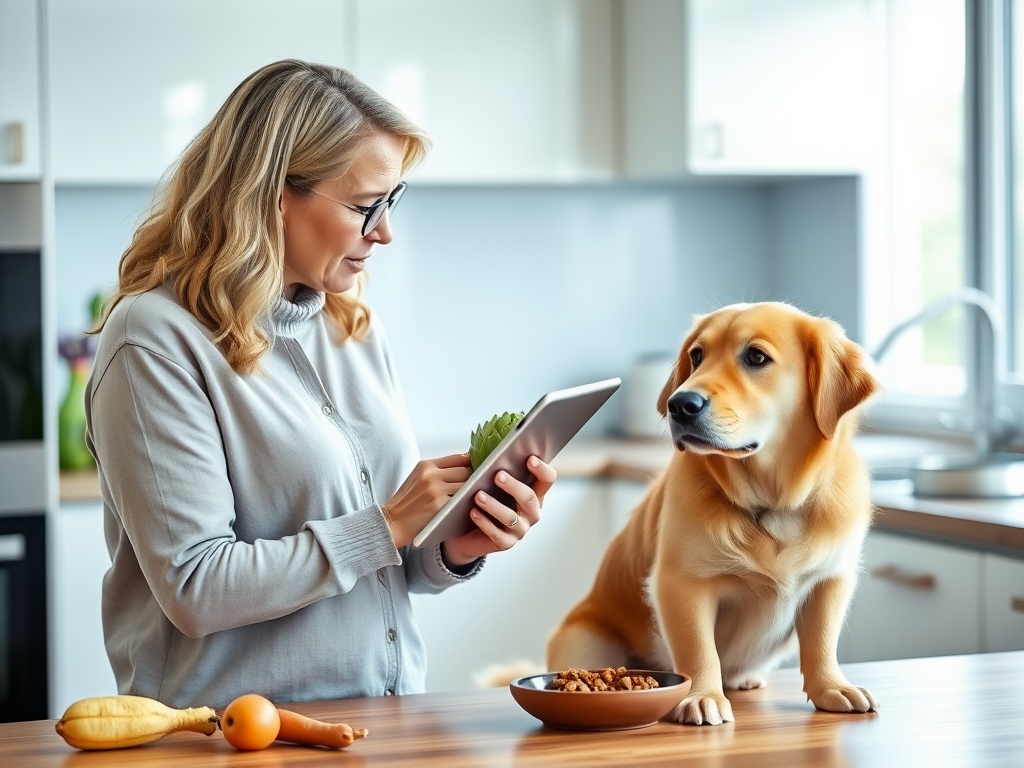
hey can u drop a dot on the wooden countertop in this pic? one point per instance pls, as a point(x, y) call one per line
point(992, 524)
point(953, 711)
point(996, 524)
point(79, 485)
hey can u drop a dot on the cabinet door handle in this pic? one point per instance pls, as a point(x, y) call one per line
point(894, 575)
point(12, 548)
point(16, 143)
point(1017, 604)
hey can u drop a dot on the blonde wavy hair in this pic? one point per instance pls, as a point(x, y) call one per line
point(215, 227)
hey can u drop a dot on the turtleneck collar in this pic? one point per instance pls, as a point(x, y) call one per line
point(291, 316)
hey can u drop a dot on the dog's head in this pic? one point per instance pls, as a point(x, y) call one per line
point(761, 377)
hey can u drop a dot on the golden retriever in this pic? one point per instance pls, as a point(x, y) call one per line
point(748, 546)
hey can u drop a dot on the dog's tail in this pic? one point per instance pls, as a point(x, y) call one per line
point(500, 675)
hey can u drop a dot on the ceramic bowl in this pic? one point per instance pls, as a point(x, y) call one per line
point(599, 710)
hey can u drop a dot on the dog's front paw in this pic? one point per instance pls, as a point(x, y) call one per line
point(703, 708)
point(841, 696)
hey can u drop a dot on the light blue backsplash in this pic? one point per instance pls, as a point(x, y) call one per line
point(494, 295)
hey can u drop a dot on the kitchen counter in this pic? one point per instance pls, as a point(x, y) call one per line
point(991, 524)
point(953, 711)
point(995, 524)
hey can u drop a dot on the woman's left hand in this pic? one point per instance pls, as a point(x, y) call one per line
point(498, 527)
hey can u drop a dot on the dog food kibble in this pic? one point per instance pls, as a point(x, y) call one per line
point(608, 679)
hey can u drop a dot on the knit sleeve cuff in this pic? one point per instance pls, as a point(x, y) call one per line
point(356, 544)
point(454, 575)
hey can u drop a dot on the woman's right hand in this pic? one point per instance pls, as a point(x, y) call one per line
point(427, 488)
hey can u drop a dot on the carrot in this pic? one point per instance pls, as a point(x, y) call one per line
point(299, 729)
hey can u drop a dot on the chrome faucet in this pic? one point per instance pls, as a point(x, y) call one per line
point(992, 429)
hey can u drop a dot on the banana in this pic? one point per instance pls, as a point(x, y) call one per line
point(113, 722)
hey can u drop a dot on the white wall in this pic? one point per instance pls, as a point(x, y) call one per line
point(816, 246)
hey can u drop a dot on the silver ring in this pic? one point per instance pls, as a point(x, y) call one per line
point(514, 523)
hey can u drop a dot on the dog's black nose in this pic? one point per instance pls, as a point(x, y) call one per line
point(686, 406)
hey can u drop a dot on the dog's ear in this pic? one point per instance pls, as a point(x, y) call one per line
point(681, 370)
point(839, 375)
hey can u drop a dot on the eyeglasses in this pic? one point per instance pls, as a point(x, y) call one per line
point(373, 213)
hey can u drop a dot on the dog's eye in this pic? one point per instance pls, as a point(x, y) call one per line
point(696, 356)
point(757, 358)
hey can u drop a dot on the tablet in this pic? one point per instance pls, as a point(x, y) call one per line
point(543, 431)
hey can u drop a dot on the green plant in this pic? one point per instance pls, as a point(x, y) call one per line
point(96, 307)
point(486, 436)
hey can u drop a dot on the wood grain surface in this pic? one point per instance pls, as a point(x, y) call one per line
point(963, 711)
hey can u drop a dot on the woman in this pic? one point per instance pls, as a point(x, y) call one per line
point(258, 469)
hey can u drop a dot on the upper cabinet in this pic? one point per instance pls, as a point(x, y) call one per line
point(133, 82)
point(510, 91)
point(20, 133)
point(746, 87)
point(513, 91)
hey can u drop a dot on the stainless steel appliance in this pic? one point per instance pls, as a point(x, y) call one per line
point(23, 469)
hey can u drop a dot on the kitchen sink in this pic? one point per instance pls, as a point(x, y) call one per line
point(994, 475)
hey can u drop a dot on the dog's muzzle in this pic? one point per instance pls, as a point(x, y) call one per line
point(684, 411)
point(690, 424)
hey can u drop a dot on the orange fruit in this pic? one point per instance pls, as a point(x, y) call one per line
point(250, 722)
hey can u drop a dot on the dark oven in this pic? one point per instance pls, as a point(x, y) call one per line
point(24, 681)
point(23, 656)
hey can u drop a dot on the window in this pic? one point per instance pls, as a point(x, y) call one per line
point(946, 216)
point(1015, 54)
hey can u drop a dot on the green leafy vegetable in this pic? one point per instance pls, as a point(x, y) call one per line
point(486, 436)
point(96, 307)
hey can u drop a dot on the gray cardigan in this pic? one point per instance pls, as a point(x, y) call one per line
point(242, 513)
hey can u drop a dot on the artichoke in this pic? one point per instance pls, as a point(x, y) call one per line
point(486, 436)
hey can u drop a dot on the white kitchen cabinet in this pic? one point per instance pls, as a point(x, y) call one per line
point(512, 91)
point(506, 613)
point(1003, 603)
point(746, 87)
point(915, 598)
point(133, 82)
point(20, 124)
point(79, 667)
